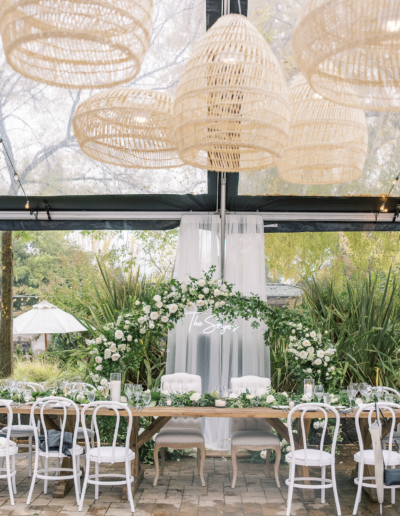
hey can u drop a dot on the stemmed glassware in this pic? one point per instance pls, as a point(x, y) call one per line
point(128, 387)
point(90, 395)
point(27, 395)
point(350, 394)
point(137, 392)
point(146, 398)
point(319, 392)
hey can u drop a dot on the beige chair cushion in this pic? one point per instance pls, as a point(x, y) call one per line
point(254, 438)
point(180, 436)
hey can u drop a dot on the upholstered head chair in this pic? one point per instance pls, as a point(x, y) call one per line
point(252, 433)
point(181, 432)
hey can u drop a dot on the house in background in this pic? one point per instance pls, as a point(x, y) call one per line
point(280, 294)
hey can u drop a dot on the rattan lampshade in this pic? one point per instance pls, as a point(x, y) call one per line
point(76, 43)
point(231, 111)
point(348, 50)
point(128, 127)
point(327, 143)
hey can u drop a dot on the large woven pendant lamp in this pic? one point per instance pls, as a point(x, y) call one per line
point(231, 111)
point(128, 127)
point(327, 143)
point(76, 43)
point(348, 50)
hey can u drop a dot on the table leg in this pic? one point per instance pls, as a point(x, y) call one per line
point(62, 487)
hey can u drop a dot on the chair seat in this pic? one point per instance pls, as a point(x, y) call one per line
point(78, 451)
point(254, 438)
point(19, 430)
point(369, 457)
point(314, 457)
point(183, 436)
point(106, 454)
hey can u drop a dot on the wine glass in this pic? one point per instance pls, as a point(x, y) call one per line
point(91, 396)
point(350, 394)
point(27, 395)
point(354, 390)
point(146, 398)
point(138, 392)
point(319, 392)
point(128, 388)
point(379, 393)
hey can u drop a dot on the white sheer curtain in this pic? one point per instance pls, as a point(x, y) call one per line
point(196, 344)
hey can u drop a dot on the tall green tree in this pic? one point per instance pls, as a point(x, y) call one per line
point(6, 340)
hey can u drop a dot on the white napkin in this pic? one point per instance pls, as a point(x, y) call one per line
point(7, 402)
point(4, 442)
point(62, 404)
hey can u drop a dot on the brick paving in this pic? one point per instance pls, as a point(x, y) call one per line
point(179, 492)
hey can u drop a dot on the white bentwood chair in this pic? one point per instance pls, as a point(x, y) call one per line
point(253, 433)
point(75, 451)
point(181, 432)
point(20, 431)
point(107, 454)
point(396, 433)
point(367, 457)
point(10, 450)
point(311, 457)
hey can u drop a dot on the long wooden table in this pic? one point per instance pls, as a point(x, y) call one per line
point(162, 415)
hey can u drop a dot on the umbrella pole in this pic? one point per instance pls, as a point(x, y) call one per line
point(45, 341)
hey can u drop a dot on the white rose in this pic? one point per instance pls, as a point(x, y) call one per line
point(332, 368)
point(305, 398)
point(154, 316)
point(195, 396)
point(299, 326)
point(307, 335)
point(318, 361)
point(201, 296)
point(250, 396)
point(151, 325)
point(200, 302)
point(129, 338)
point(313, 334)
point(206, 290)
point(122, 347)
point(115, 357)
point(165, 393)
point(283, 442)
point(303, 355)
point(126, 327)
point(99, 368)
point(173, 308)
point(107, 353)
point(289, 448)
point(98, 360)
point(316, 425)
point(326, 331)
point(119, 334)
point(310, 350)
point(327, 359)
point(201, 282)
point(159, 304)
point(270, 399)
point(211, 302)
point(263, 454)
point(233, 396)
point(123, 399)
point(285, 394)
point(157, 298)
point(113, 347)
point(164, 319)
point(358, 401)
point(146, 309)
point(137, 303)
point(96, 378)
point(309, 370)
point(142, 330)
point(98, 340)
point(306, 343)
point(103, 381)
point(293, 331)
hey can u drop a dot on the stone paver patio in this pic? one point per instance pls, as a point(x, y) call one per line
point(179, 493)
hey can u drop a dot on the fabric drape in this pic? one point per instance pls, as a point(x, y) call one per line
point(199, 344)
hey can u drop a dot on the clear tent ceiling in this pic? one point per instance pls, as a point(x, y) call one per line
point(35, 120)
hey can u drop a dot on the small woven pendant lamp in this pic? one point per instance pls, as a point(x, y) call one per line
point(348, 50)
point(327, 143)
point(128, 127)
point(76, 43)
point(231, 111)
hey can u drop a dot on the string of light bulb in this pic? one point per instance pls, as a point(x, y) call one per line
point(16, 176)
point(383, 207)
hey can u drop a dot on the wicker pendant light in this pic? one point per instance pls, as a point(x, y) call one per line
point(327, 143)
point(76, 43)
point(128, 127)
point(348, 50)
point(231, 111)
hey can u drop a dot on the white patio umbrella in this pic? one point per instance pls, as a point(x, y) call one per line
point(375, 431)
point(46, 318)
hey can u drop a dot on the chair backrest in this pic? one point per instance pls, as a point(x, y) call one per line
point(3, 403)
point(113, 406)
point(65, 405)
point(370, 407)
point(240, 424)
point(389, 390)
point(260, 384)
point(323, 408)
point(35, 387)
point(192, 382)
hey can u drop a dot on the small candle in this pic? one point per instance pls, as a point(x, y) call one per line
point(291, 404)
point(169, 403)
point(220, 403)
